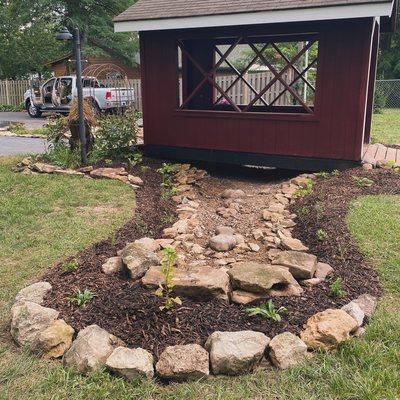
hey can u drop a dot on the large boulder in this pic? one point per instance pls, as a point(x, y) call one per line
point(327, 329)
point(289, 243)
point(137, 259)
point(55, 340)
point(131, 363)
point(263, 278)
point(34, 293)
point(235, 353)
point(183, 362)
point(367, 303)
point(91, 349)
point(29, 320)
point(286, 350)
point(201, 283)
point(223, 242)
point(301, 265)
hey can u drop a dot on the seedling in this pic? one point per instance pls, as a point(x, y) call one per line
point(319, 208)
point(322, 174)
point(336, 288)
point(302, 192)
point(136, 159)
point(144, 168)
point(321, 235)
point(81, 298)
point(166, 288)
point(267, 311)
point(70, 267)
point(167, 171)
point(335, 172)
point(362, 182)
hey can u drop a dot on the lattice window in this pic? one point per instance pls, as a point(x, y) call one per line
point(249, 74)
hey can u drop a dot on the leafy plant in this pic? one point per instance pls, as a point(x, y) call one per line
point(61, 155)
point(165, 289)
point(136, 159)
point(302, 192)
point(362, 182)
point(322, 174)
point(167, 171)
point(335, 172)
point(11, 108)
point(321, 235)
point(70, 267)
point(145, 168)
point(81, 299)
point(319, 208)
point(336, 288)
point(19, 129)
point(115, 137)
point(267, 311)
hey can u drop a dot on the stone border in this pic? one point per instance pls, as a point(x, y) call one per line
point(224, 353)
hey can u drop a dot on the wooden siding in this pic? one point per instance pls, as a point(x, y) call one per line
point(334, 131)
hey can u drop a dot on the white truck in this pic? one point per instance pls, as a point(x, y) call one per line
point(56, 95)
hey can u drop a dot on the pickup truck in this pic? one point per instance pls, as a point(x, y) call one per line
point(56, 95)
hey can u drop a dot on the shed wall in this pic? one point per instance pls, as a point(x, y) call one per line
point(334, 131)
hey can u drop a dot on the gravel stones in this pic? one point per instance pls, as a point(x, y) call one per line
point(235, 353)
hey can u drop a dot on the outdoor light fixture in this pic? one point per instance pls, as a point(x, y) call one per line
point(65, 35)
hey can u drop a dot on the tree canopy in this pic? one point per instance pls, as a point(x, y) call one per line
point(27, 33)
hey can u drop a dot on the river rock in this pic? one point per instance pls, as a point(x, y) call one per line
point(137, 259)
point(234, 353)
point(200, 283)
point(327, 329)
point(222, 242)
point(261, 278)
point(323, 270)
point(367, 303)
point(112, 266)
point(131, 363)
point(55, 340)
point(29, 320)
point(301, 265)
point(289, 243)
point(183, 362)
point(224, 230)
point(355, 311)
point(34, 293)
point(233, 194)
point(91, 349)
point(286, 350)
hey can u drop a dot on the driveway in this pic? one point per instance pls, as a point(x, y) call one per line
point(10, 146)
point(22, 117)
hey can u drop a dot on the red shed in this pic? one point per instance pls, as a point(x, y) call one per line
point(264, 82)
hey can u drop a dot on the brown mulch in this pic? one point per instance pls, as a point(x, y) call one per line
point(131, 312)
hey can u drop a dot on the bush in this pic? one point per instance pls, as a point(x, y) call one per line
point(115, 137)
point(10, 108)
point(61, 155)
point(380, 100)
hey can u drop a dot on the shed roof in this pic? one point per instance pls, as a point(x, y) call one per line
point(175, 14)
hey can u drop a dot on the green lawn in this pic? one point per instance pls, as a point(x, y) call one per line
point(362, 369)
point(386, 127)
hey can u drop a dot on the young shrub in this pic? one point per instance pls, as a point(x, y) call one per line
point(60, 155)
point(167, 171)
point(267, 311)
point(115, 137)
point(380, 100)
point(362, 182)
point(321, 235)
point(302, 192)
point(165, 289)
point(336, 288)
point(70, 267)
point(81, 299)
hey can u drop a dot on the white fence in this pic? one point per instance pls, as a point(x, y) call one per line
point(12, 91)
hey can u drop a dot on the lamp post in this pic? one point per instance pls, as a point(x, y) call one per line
point(65, 35)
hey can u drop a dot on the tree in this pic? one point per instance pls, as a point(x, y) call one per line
point(27, 34)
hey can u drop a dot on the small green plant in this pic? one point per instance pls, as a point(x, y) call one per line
point(321, 235)
point(267, 311)
point(336, 288)
point(19, 129)
point(335, 172)
point(59, 154)
point(342, 248)
point(167, 219)
point(322, 174)
point(144, 168)
point(81, 299)
point(302, 192)
point(165, 289)
point(167, 171)
point(11, 108)
point(319, 208)
point(304, 212)
point(362, 182)
point(136, 159)
point(70, 267)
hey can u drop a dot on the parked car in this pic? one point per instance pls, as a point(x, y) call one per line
point(56, 95)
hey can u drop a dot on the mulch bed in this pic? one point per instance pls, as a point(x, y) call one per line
point(131, 312)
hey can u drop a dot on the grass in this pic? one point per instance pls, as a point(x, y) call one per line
point(386, 126)
point(362, 369)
